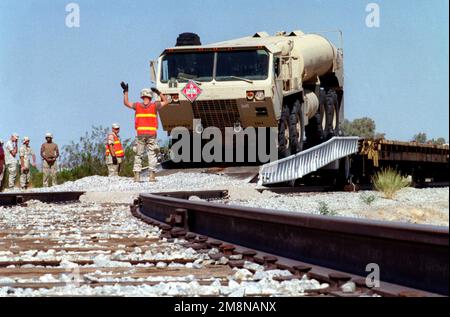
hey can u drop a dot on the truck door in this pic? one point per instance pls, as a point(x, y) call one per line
point(277, 86)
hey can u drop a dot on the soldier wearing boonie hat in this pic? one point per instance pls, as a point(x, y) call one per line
point(11, 150)
point(49, 154)
point(114, 151)
point(146, 125)
point(25, 153)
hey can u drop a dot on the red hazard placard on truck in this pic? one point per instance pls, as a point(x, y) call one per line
point(191, 91)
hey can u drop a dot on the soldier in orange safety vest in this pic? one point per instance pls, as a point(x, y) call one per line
point(114, 151)
point(146, 125)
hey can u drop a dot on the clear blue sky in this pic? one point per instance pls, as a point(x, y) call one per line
point(53, 78)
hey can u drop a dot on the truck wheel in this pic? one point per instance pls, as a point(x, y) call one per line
point(332, 109)
point(283, 134)
point(296, 127)
point(318, 124)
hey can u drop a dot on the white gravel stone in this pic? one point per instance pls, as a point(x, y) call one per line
point(161, 265)
point(253, 266)
point(240, 292)
point(242, 275)
point(348, 287)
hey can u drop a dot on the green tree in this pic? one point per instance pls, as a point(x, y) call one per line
point(362, 127)
point(420, 137)
point(438, 141)
point(87, 156)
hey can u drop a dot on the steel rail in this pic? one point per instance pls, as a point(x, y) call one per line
point(11, 199)
point(414, 256)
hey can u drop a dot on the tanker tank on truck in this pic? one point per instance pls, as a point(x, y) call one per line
point(290, 81)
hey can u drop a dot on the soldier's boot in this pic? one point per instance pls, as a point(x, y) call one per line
point(137, 177)
point(152, 177)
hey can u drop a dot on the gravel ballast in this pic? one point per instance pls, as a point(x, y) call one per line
point(111, 239)
point(411, 205)
point(422, 206)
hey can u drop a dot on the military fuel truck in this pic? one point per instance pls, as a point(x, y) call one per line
point(290, 81)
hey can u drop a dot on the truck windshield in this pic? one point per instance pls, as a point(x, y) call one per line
point(197, 66)
point(252, 65)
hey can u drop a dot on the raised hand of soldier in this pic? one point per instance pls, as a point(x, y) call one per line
point(156, 91)
point(124, 87)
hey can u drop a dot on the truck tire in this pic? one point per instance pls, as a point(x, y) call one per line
point(332, 108)
point(296, 127)
point(317, 125)
point(284, 149)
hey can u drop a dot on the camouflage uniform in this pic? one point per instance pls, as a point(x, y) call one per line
point(11, 163)
point(25, 152)
point(113, 170)
point(49, 172)
point(49, 152)
point(151, 145)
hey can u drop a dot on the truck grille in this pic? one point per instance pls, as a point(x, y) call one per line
point(216, 113)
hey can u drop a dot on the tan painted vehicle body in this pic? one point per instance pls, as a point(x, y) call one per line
point(297, 65)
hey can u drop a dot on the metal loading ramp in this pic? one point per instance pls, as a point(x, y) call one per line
point(298, 165)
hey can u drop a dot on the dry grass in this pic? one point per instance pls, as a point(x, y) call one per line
point(389, 182)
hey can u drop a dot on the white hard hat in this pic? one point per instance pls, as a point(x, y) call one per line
point(146, 92)
point(115, 126)
point(49, 135)
point(15, 135)
point(25, 139)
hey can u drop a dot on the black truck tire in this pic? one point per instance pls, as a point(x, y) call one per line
point(318, 124)
point(296, 127)
point(284, 149)
point(332, 108)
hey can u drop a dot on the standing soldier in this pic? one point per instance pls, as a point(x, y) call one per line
point(49, 154)
point(11, 160)
point(2, 163)
point(114, 151)
point(25, 153)
point(146, 125)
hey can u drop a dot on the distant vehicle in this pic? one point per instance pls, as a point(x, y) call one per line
point(291, 81)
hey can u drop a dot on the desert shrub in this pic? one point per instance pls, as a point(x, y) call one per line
point(368, 199)
point(325, 210)
point(389, 182)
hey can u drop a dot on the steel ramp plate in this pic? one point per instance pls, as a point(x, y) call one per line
point(303, 163)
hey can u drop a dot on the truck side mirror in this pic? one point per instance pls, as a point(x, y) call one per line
point(153, 71)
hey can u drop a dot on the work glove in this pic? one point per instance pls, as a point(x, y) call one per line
point(156, 91)
point(124, 87)
point(114, 159)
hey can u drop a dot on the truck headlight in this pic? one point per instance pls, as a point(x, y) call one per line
point(259, 95)
point(250, 95)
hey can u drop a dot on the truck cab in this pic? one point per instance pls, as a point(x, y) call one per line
point(259, 81)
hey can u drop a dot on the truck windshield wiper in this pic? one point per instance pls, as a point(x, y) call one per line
point(187, 79)
point(241, 78)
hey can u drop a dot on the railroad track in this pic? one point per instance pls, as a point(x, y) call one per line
point(11, 199)
point(75, 248)
point(413, 259)
point(59, 246)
